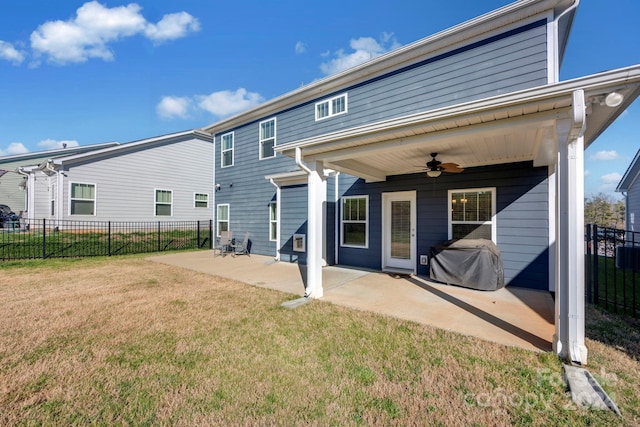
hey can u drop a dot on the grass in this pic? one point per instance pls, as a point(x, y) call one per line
point(618, 289)
point(129, 342)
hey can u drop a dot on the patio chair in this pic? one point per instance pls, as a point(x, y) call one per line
point(223, 244)
point(241, 248)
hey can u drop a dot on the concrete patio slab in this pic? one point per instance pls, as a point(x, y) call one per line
point(510, 316)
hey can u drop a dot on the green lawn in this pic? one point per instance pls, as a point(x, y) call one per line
point(124, 341)
point(617, 287)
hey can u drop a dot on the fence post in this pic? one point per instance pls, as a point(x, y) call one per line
point(109, 239)
point(198, 240)
point(158, 236)
point(588, 265)
point(596, 278)
point(44, 238)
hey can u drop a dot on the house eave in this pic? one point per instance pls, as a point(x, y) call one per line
point(631, 175)
point(444, 40)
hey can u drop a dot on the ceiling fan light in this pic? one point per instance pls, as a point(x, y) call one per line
point(434, 173)
point(614, 99)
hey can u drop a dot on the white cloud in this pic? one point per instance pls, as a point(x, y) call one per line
point(226, 103)
point(52, 144)
point(611, 178)
point(95, 26)
point(363, 49)
point(172, 26)
point(301, 47)
point(587, 172)
point(14, 148)
point(605, 155)
point(10, 53)
point(174, 106)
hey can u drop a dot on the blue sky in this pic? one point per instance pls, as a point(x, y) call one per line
point(89, 72)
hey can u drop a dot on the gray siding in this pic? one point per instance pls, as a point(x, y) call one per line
point(10, 193)
point(293, 220)
point(522, 212)
point(126, 180)
point(633, 206)
point(510, 62)
point(507, 62)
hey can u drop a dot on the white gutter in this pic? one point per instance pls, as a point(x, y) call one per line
point(278, 202)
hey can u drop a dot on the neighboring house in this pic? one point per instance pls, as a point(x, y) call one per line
point(165, 178)
point(629, 186)
point(12, 184)
point(334, 172)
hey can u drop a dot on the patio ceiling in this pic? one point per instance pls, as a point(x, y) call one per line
point(523, 126)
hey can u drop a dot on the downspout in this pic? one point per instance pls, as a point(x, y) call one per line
point(28, 195)
point(336, 233)
point(299, 162)
point(278, 199)
point(571, 8)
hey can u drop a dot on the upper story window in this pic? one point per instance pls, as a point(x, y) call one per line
point(331, 107)
point(472, 214)
point(226, 159)
point(82, 200)
point(267, 138)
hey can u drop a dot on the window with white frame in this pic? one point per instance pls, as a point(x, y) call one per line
point(226, 159)
point(222, 219)
point(83, 199)
point(201, 200)
point(267, 138)
point(331, 107)
point(164, 202)
point(355, 221)
point(472, 214)
point(273, 221)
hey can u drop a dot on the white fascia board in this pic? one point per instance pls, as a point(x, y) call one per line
point(55, 151)
point(629, 176)
point(491, 22)
point(592, 84)
point(288, 178)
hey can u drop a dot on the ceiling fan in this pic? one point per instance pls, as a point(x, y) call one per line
point(436, 167)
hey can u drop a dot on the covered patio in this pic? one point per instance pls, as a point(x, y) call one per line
point(510, 316)
point(549, 125)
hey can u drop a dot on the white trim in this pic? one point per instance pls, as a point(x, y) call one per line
point(553, 60)
point(223, 151)
point(95, 198)
point(228, 220)
point(411, 263)
point(261, 140)
point(195, 200)
point(450, 221)
point(329, 102)
point(276, 221)
point(366, 221)
point(155, 201)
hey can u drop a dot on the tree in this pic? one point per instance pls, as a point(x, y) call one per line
point(602, 210)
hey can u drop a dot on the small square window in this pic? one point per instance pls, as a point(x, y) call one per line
point(201, 200)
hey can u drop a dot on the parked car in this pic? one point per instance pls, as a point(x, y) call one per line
point(8, 218)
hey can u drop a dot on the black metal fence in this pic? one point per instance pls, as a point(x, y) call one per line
point(59, 239)
point(613, 269)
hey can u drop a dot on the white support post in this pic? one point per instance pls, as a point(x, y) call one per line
point(317, 192)
point(570, 296)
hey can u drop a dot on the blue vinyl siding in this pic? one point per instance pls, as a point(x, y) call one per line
point(522, 211)
point(633, 206)
point(293, 220)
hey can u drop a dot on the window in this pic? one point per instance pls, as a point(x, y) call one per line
point(226, 159)
point(83, 199)
point(222, 218)
point(164, 205)
point(273, 221)
point(472, 214)
point(331, 107)
point(267, 138)
point(201, 200)
point(355, 221)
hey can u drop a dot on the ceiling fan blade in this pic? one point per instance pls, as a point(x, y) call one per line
point(451, 167)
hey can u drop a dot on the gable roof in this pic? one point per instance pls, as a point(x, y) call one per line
point(631, 175)
point(26, 157)
point(467, 32)
point(127, 147)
